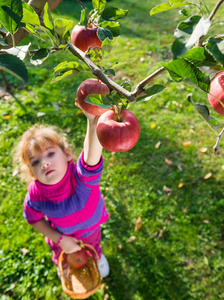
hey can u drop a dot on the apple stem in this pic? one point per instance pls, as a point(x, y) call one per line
point(83, 7)
point(117, 110)
point(217, 142)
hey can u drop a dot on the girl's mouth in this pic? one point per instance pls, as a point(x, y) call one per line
point(49, 172)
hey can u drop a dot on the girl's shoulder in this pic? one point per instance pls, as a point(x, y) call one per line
point(32, 188)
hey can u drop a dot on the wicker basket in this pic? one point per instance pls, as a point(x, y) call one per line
point(83, 282)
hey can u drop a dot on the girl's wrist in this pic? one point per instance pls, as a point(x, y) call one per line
point(60, 239)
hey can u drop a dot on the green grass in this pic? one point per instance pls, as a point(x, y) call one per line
point(178, 251)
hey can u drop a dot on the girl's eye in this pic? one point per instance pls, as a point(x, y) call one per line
point(50, 154)
point(35, 163)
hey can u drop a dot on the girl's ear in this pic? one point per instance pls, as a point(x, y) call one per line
point(68, 154)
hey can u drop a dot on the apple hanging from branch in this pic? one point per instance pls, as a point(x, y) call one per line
point(91, 86)
point(104, 20)
point(118, 132)
point(83, 37)
point(217, 90)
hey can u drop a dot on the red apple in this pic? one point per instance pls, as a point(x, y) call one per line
point(91, 86)
point(84, 38)
point(78, 259)
point(118, 133)
point(217, 90)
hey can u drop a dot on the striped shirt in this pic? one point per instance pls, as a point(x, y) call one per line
point(74, 206)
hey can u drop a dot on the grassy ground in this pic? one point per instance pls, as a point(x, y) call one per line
point(178, 251)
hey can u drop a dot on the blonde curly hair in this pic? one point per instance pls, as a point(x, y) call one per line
point(34, 139)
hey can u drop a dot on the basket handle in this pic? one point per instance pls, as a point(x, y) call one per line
point(91, 247)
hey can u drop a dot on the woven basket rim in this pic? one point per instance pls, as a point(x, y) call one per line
point(73, 293)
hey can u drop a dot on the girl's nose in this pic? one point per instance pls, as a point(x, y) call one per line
point(45, 165)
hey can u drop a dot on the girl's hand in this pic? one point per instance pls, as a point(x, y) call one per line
point(69, 244)
point(92, 146)
point(88, 115)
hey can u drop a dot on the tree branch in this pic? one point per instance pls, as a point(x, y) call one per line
point(215, 9)
point(140, 86)
point(217, 142)
point(96, 71)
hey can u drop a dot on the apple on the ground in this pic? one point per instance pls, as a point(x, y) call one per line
point(118, 132)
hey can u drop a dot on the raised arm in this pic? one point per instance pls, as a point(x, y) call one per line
point(92, 146)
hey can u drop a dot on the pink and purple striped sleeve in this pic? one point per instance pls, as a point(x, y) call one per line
point(30, 212)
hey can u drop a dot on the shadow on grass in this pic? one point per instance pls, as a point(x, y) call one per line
point(167, 257)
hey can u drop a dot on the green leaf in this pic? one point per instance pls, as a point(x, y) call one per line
point(195, 55)
point(104, 33)
point(48, 32)
point(200, 29)
point(40, 56)
point(176, 1)
point(34, 31)
point(107, 45)
point(114, 27)
point(48, 21)
point(118, 64)
point(29, 15)
point(3, 42)
point(126, 85)
point(83, 19)
point(96, 54)
point(200, 57)
point(62, 26)
point(182, 34)
point(166, 42)
point(164, 6)
point(99, 5)
point(12, 64)
point(181, 68)
point(113, 98)
point(215, 46)
point(113, 13)
point(65, 75)
point(11, 13)
point(99, 100)
point(109, 72)
point(185, 12)
point(65, 66)
point(204, 113)
point(152, 91)
point(65, 70)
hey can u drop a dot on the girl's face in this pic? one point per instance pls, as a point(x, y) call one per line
point(49, 166)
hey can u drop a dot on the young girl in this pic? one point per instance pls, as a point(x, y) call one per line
point(63, 201)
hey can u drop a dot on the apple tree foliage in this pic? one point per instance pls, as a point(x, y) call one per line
point(192, 46)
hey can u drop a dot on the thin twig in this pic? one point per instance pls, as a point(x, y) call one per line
point(148, 79)
point(7, 86)
point(83, 7)
point(215, 9)
point(205, 6)
point(217, 142)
